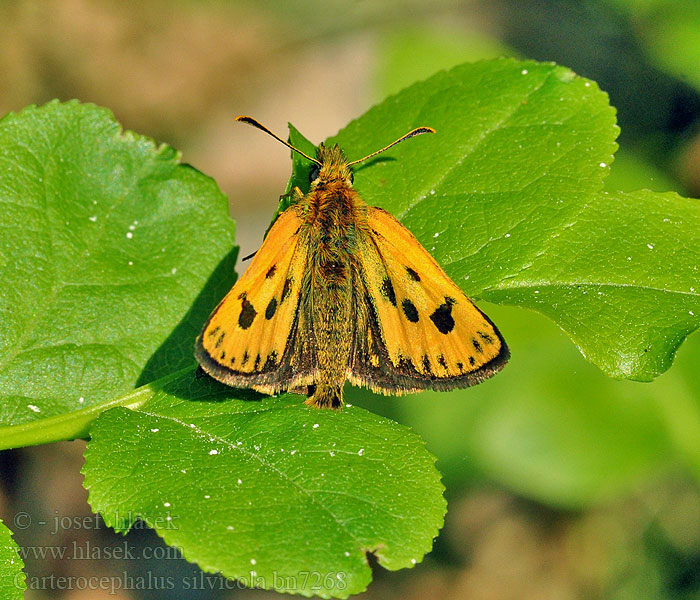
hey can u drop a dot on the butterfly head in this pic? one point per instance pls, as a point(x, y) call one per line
point(332, 167)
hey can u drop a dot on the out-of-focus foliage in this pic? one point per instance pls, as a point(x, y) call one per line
point(408, 55)
point(551, 426)
point(670, 31)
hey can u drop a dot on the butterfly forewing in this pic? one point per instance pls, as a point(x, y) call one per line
point(424, 331)
point(248, 337)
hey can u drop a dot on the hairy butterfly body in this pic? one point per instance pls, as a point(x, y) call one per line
point(341, 291)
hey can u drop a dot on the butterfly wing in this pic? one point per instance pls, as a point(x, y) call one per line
point(417, 330)
point(248, 340)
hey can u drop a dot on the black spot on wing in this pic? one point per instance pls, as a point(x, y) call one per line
point(477, 345)
point(271, 309)
point(442, 361)
point(427, 367)
point(256, 365)
point(214, 331)
point(223, 355)
point(472, 361)
point(286, 290)
point(412, 274)
point(442, 317)
point(220, 340)
point(388, 290)
point(271, 272)
point(410, 310)
point(246, 356)
point(486, 337)
point(248, 312)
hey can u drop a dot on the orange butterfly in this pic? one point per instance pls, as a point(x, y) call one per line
point(342, 291)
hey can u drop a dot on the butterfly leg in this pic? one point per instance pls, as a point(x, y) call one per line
point(294, 194)
point(291, 197)
point(325, 395)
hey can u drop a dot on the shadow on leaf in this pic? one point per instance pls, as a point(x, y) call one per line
point(177, 351)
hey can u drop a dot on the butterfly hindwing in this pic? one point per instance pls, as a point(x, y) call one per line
point(249, 337)
point(422, 330)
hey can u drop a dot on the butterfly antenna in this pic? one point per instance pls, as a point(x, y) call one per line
point(254, 123)
point(410, 134)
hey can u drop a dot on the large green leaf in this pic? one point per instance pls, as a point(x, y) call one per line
point(12, 579)
point(107, 245)
point(266, 490)
point(621, 278)
point(507, 196)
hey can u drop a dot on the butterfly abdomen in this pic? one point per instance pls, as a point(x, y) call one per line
point(325, 396)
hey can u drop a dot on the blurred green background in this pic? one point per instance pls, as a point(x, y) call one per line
point(562, 483)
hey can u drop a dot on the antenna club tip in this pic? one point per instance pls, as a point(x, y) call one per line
point(257, 124)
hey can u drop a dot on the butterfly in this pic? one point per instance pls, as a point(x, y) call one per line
point(342, 291)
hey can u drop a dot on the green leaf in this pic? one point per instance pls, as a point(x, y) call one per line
point(12, 578)
point(301, 168)
point(266, 490)
point(621, 280)
point(507, 197)
point(109, 245)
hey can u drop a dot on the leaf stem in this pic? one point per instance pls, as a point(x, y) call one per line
point(76, 424)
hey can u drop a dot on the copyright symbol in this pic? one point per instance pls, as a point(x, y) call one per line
point(22, 520)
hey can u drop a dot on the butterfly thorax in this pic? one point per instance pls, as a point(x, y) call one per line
point(333, 215)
